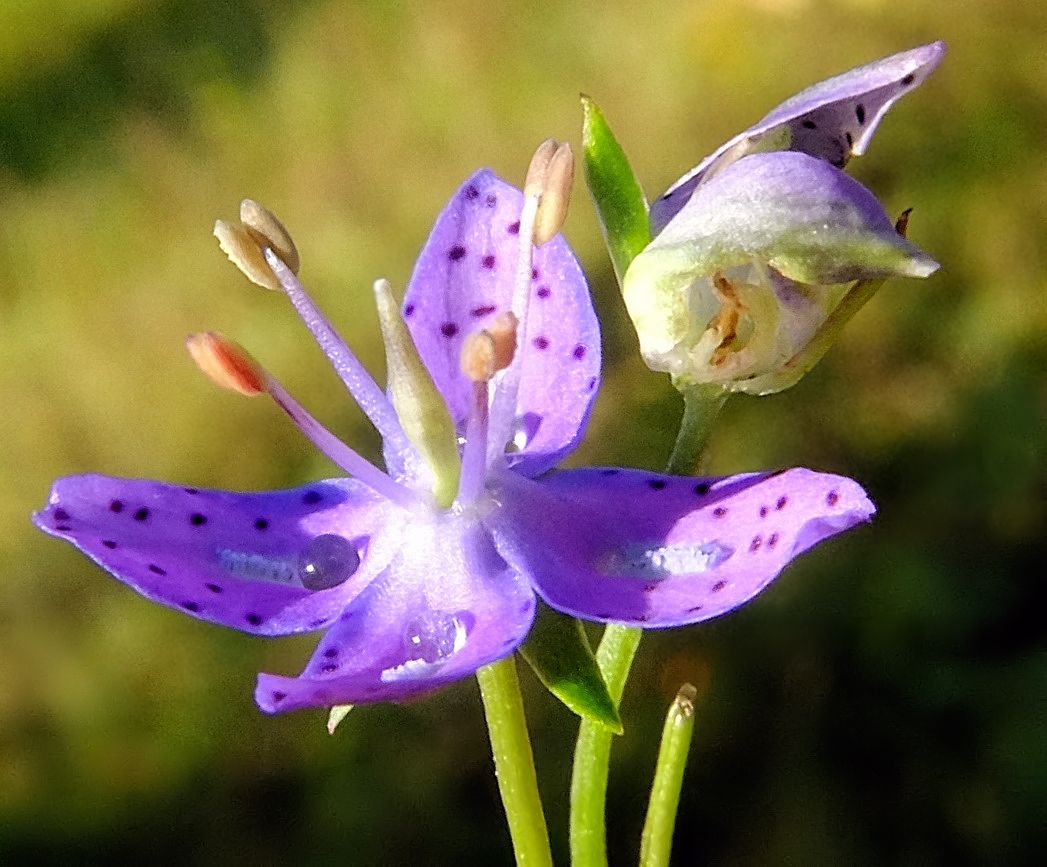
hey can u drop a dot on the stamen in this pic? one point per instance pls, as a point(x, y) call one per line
point(474, 454)
point(231, 366)
point(361, 385)
point(555, 196)
point(243, 251)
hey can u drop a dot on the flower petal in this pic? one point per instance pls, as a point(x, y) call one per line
point(830, 120)
point(230, 558)
point(464, 278)
point(653, 550)
point(446, 605)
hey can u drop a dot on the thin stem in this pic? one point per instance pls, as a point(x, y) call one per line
point(701, 406)
point(514, 762)
point(592, 754)
point(657, 841)
point(615, 655)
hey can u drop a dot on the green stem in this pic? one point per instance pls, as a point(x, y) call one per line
point(657, 841)
point(592, 753)
point(514, 762)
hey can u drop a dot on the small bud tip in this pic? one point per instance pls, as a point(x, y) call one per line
point(226, 363)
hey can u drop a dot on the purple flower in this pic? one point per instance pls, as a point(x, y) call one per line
point(414, 587)
point(754, 248)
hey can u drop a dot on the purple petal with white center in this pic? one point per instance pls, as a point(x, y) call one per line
point(653, 550)
point(446, 605)
point(230, 558)
point(831, 120)
point(464, 278)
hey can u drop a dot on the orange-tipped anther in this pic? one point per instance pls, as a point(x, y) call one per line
point(226, 363)
point(486, 352)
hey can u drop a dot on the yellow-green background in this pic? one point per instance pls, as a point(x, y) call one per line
point(885, 702)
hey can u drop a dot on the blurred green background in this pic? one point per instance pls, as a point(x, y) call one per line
point(885, 702)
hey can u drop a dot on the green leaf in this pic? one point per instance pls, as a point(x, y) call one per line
point(619, 200)
point(558, 650)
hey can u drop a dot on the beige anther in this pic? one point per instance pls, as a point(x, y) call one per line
point(264, 226)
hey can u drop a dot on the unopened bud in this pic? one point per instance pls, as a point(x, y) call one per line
point(556, 195)
point(264, 226)
point(243, 250)
point(226, 363)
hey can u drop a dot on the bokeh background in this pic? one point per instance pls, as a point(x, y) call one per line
point(884, 703)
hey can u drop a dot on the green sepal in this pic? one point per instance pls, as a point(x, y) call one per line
point(620, 202)
point(419, 404)
point(558, 650)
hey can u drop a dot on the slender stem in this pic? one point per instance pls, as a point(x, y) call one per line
point(514, 763)
point(615, 655)
point(701, 406)
point(657, 841)
point(592, 754)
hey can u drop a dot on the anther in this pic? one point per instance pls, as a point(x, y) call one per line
point(556, 195)
point(537, 171)
point(243, 250)
point(226, 363)
point(486, 352)
point(264, 226)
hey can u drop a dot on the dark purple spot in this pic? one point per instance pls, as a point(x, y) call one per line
point(261, 524)
point(197, 520)
point(141, 514)
point(330, 668)
point(214, 588)
point(695, 610)
point(409, 310)
point(763, 511)
point(832, 498)
point(109, 543)
point(371, 690)
point(191, 490)
point(611, 471)
point(448, 329)
point(909, 79)
point(579, 352)
point(514, 228)
point(157, 570)
point(534, 274)
point(809, 124)
point(525, 608)
point(311, 498)
point(719, 512)
point(544, 292)
point(702, 488)
point(61, 515)
point(491, 200)
point(772, 540)
point(781, 503)
point(483, 310)
point(278, 697)
point(656, 484)
point(541, 342)
point(850, 140)
point(253, 619)
point(718, 586)
point(116, 506)
point(456, 252)
point(649, 588)
point(191, 606)
point(316, 624)
point(331, 653)
point(488, 262)
point(471, 192)
point(604, 615)
point(756, 543)
point(859, 112)
point(63, 528)
point(592, 383)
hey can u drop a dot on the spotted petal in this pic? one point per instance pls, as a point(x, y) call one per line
point(464, 278)
point(831, 120)
point(230, 558)
point(446, 605)
point(654, 550)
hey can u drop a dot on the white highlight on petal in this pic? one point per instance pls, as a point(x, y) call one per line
point(430, 640)
point(654, 562)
